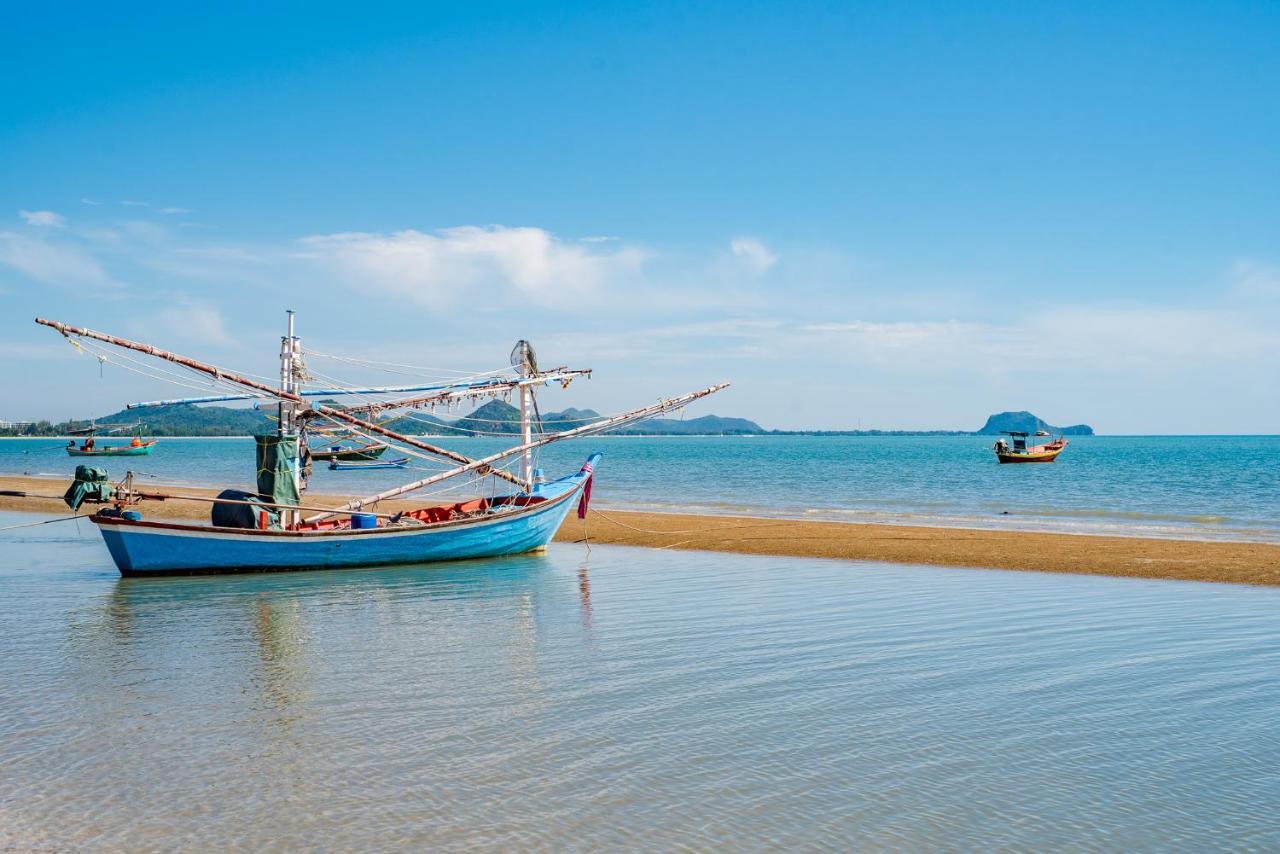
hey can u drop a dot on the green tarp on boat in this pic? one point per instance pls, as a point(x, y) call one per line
point(276, 482)
point(90, 483)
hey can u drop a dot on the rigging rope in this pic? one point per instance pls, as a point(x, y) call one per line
point(387, 367)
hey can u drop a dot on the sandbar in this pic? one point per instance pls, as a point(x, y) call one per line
point(1135, 557)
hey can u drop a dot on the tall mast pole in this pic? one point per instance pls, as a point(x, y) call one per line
point(288, 413)
point(526, 424)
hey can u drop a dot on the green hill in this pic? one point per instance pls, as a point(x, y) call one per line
point(499, 417)
point(1026, 422)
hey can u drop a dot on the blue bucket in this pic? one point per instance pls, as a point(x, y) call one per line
point(131, 515)
point(363, 520)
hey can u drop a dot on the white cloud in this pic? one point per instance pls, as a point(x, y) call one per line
point(481, 265)
point(50, 262)
point(753, 253)
point(45, 218)
point(172, 211)
point(1255, 278)
point(130, 203)
point(90, 202)
point(1102, 339)
point(195, 321)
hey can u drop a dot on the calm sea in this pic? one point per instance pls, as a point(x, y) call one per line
point(1202, 486)
point(624, 698)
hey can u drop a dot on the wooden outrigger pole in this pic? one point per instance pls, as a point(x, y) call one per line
point(486, 462)
point(217, 373)
point(461, 388)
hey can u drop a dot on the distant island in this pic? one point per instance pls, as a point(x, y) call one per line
point(498, 418)
point(1025, 422)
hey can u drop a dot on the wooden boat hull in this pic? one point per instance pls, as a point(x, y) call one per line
point(144, 548)
point(384, 464)
point(1033, 456)
point(114, 451)
point(368, 452)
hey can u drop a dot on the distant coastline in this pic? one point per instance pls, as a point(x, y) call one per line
point(494, 418)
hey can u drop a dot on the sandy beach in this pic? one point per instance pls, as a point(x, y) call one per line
point(1187, 560)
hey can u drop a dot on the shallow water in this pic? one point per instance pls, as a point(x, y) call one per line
point(1208, 487)
point(625, 697)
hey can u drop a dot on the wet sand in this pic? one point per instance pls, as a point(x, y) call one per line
point(1234, 562)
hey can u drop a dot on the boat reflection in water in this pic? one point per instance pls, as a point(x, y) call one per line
point(279, 647)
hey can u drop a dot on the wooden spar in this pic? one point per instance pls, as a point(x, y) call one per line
point(586, 429)
point(503, 385)
point(218, 373)
point(459, 389)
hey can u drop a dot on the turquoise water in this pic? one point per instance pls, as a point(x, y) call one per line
point(1201, 486)
point(629, 698)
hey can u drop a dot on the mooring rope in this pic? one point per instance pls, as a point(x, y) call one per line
point(41, 522)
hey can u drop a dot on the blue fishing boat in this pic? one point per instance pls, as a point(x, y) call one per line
point(379, 464)
point(506, 525)
point(273, 529)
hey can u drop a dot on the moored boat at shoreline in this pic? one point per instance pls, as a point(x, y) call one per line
point(338, 453)
point(272, 529)
point(137, 447)
point(1020, 452)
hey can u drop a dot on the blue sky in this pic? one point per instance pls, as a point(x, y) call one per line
point(899, 215)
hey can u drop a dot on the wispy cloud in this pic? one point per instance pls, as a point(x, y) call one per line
point(133, 203)
point(174, 211)
point(52, 262)
point(90, 202)
point(1104, 339)
point(447, 266)
point(196, 320)
point(753, 253)
point(1255, 278)
point(43, 218)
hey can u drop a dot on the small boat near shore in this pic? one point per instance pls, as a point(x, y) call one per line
point(335, 465)
point(338, 453)
point(1018, 451)
point(137, 447)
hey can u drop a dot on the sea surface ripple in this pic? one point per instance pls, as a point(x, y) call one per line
point(630, 698)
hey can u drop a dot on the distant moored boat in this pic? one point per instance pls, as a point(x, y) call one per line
point(346, 454)
point(138, 447)
point(1018, 452)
